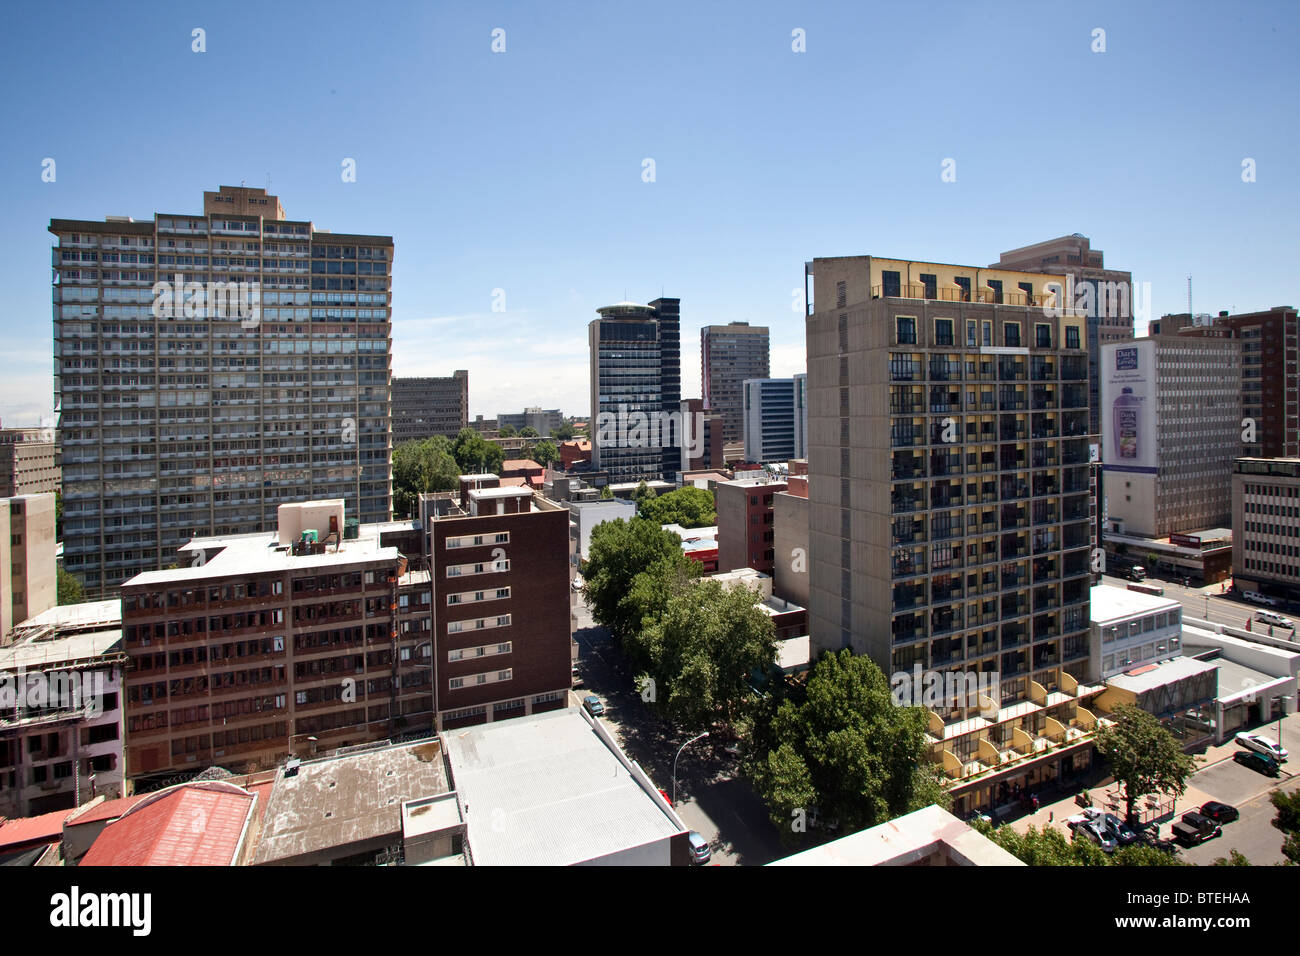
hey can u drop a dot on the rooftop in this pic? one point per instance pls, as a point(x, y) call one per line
point(1150, 676)
point(344, 800)
point(549, 791)
point(31, 654)
point(194, 824)
point(930, 836)
point(1108, 603)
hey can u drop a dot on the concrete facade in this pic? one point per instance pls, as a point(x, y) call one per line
point(730, 354)
point(28, 462)
point(28, 572)
point(424, 407)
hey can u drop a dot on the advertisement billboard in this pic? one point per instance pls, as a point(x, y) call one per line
point(1128, 407)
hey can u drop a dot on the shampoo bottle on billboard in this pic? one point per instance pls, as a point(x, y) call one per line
point(1126, 424)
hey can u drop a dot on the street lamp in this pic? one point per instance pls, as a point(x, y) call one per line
point(1280, 714)
point(679, 753)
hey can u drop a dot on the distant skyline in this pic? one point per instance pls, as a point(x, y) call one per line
point(524, 170)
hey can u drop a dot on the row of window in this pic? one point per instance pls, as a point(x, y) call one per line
point(485, 650)
point(981, 334)
point(475, 680)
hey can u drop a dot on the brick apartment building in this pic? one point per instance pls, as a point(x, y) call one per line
point(746, 536)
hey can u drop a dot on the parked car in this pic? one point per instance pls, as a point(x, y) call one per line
point(1219, 812)
point(1258, 762)
point(1264, 745)
point(1095, 832)
point(591, 703)
point(1255, 597)
point(1195, 828)
point(700, 852)
point(1137, 573)
point(1118, 830)
point(1277, 620)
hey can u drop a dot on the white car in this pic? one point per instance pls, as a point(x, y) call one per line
point(1255, 597)
point(1277, 620)
point(1263, 745)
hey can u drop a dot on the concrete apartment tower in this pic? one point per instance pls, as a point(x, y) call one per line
point(948, 499)
point(424, 407)
point(264, 379)
point(729, 355)
point(28, 464)
point(635, 372)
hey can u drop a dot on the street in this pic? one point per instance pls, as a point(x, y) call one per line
point(711, 798)
point(1198, 602)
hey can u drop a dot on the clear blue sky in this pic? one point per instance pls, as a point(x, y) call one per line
point(522, 171)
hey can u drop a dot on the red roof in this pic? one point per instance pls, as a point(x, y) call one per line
point(519, 464)
point(190, 825)
point(46, 828)
point(108, 810)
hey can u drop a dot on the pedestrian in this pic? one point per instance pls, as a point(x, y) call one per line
point(1051, 816)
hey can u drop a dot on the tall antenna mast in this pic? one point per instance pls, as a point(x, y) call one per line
point(1189, 296)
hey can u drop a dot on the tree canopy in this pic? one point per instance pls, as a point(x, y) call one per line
point(528, 431)
point(506, 431)
point(544, 452)
point(620, 550)
point(1144, 757)
point(421, 467)
point(474, 454)
point(1051, 847)
point(69, 588)
point(563, 433)
point(843, 748)
point(688, 507)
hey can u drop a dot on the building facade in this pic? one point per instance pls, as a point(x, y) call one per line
point(1266, 526)
point(770, 432)
point(729, 355)
point(1171, 429)
point(746, 530)
point(543, 420)
point(948, 501)
point(424, 407)
point(28, 464)
point(28, 569)
point(262, 376)
point(636, 388)
point(1129, 629)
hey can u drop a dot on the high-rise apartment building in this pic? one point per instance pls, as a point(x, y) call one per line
point(210, 367)
point(542, 420)
point(769, 423)
point(948, 501)
point(636, 388)
point(28, 464)
point(1171, 429)
point(313, 636)
point(424, 407)
point(28, 575)
point(1104, 296)
point(729, 355)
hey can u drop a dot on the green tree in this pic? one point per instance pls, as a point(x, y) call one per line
point(475, 455)
point(619, 551)
point(606, 493)
point(643, 493)
point(1287, 819)
point(506, 431)
point(545, 453)
point(1144, 757)
point(1235, 858)
point(865, 757)
point(421, 467)
point(70, 590)
point(702, 649)
point(563, 433)
point(528, 431)
point(58, 516)
point(688, 507)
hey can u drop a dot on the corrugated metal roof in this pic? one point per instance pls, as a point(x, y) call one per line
point(545, 790)
point(191, 825)
point(46, 826)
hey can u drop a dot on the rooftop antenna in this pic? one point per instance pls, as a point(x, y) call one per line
point(1189, 296)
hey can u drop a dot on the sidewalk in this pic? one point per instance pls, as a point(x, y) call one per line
point(1058, 812)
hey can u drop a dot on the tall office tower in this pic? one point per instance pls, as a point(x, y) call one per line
point(424, 407)
point(948, 496)
point(1104, 295)
point(28, 575)
point(28, 465)
point(1270, 372)
point(770, 429)
point(199, 409)
point(1170, 433)
point(312, 635)
point(729, 355)
point(636, 390)
point(801, 415)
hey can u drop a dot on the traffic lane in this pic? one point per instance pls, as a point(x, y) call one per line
point(731, 816)
point(1222, 608)
point(1252, 834)
point(1231, 782)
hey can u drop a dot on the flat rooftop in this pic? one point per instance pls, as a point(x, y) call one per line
point(1108, 603)
point(33, 654)
point(546, 790)
point(80, 616)
point(1150, 676)
point(340, 801)
point(244, 554)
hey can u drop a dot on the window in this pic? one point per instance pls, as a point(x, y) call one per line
point(986, 334)
point(1043, 335)
point(891, 284)
point(963, 283)
point(971, 339)
point(1011, 335)
point(1071, 336)
point(931, 284)
point(943, 331)
point(906, 330)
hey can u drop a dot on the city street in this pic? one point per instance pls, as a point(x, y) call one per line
point(711, 798)
point(1199, 602)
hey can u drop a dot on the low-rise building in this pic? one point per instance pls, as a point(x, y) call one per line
point(698, 544)
point(746, 537)
point(28, 462)
point(586, 515)
point(1129, 628)
point(28, 567)
point(790, 540)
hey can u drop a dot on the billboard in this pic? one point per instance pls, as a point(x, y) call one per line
point(1128, 407)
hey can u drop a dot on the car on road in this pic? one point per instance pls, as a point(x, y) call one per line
point(592, 705)
point(700, 852)
point(1195, 828)
point(1219, 812)
point(576, 585)
point(1118, 830)
point(1276, 620)
point(1254, 597)
point(1137, 573)
point(1264, 745)
point(1258, 762)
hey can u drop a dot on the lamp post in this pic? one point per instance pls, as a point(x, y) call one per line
point(1280, 714)
point(679, 753)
